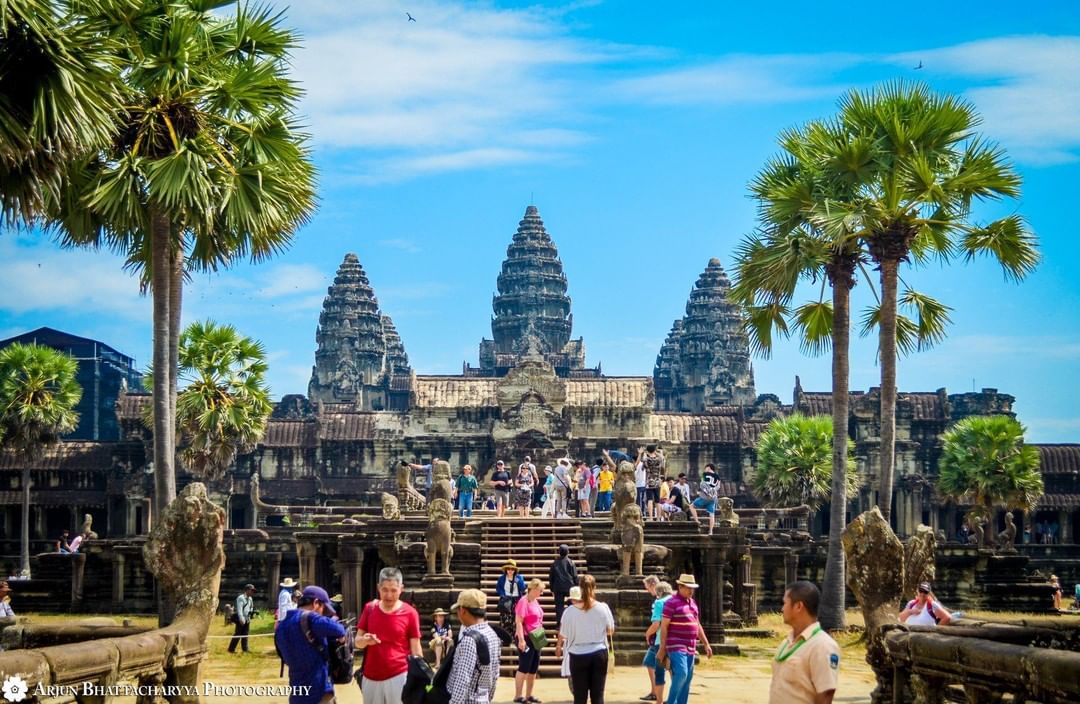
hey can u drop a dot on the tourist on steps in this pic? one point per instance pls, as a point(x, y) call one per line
point(464, 491)
point(442, 636)
point(500, 484)
point(245, 609)
point(584, 488)
point(524, 484)
point(660, 592)
point(680, 631)
point(639, 487)
point(528, 630)
point(806, 666)
point(562, 576)
point(605, 483)
point(708, 491)
point(586, 628)
point(510, 587)
point(548, 501)
point(308, 667)
point(652, 458)
point(563, 487)
point(388, 631)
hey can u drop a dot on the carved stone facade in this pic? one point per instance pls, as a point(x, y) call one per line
point(360, 354)
point(704, 363)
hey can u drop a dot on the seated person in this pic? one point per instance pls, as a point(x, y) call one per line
point(442, 637)
point(925, 610)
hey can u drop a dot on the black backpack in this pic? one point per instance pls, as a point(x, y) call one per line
point(423, 686)
point(339, 656)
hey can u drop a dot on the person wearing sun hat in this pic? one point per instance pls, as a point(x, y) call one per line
point(285, 602)
point(442, 636)
point(510, 587)
point(680, 631)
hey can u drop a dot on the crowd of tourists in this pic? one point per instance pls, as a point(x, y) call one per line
point(579, 488)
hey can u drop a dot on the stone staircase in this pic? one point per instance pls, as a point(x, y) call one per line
point(534, 544)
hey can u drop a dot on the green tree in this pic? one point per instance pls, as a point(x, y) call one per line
point(225, 404)
point(790, 249)
point(209, 166)
point(58, 94)
point(985, 462)
point(794, 463)
point(920, 168)
point(38, 394)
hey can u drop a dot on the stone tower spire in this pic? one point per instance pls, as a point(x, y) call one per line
point(713, 367)
point(666, 372)
point(531, 309)
point(358, 347)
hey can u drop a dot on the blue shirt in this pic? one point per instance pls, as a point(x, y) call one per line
point(307, 666)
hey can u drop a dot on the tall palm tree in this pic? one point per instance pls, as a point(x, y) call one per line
point(209, 166)
point(794, 463)
point(984, 461)
point(38, 395)
point(225, 404)
point(789, 249)
point(911, 196)
point(58, 94)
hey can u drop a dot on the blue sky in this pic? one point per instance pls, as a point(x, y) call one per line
point(634, 127)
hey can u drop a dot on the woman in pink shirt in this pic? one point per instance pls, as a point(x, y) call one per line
point(528, 616)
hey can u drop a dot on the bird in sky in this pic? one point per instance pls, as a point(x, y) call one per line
point(919, 66)
point(411, 18)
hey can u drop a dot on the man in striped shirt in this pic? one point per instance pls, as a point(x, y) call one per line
point(680, 630)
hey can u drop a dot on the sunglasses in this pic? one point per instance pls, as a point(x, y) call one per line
point(923, 591)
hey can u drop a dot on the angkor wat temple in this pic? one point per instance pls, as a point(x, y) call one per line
point(532, 393)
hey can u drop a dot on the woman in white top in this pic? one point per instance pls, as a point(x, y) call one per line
point(586, 627)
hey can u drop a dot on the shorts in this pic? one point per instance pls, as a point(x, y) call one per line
point(584, 494)
point(529, 660)
point(652, 494)
point(502, 495)
point(706, 504)
point(650, 661)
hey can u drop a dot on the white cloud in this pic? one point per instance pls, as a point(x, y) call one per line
point(401, 243)
point(291, 279)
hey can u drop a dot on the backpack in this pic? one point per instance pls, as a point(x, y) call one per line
point(424, 686)
point(339, 656)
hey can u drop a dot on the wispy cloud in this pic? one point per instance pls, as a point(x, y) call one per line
point(292, 279)
point(402, 244)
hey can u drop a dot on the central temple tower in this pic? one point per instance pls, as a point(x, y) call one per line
point(532, 315)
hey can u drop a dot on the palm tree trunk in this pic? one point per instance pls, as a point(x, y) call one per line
point(24, 540)
point(887, 352)
point(161, 276)
point(831, 613)
point(176, 289)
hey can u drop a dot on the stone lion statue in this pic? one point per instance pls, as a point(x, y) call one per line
point(440, 537)
point(726, 516)
point(87, 527)
point(390, 508)
point(1006, 539)
point(975, 524)
point(625, 495)
point(442, 481)
point(408, 496)
point(632, 543)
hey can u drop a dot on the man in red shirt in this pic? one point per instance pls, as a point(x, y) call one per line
point(389, 631)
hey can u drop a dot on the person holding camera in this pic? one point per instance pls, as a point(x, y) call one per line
point(924, 609)
point(245, 609)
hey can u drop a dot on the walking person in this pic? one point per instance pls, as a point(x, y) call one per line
point(465, 489)
point(562, 576)
point(585, 632)
point(584, 488)
point(661, 592)
point(245, 609)
point(680, 631)
point(388, 631)
point(309, 670)
point(524, 484)
point(562, 487)
point(530, 637)
point(548, 504)
point(510, 587)
point(708, 491)
point(500, 484)
point(285, 602)
point(640, 489)
point(471, 682)
point(806, 666)
point(1057, 591)
point(594, 484)
point(653, 460)
point(605, 485)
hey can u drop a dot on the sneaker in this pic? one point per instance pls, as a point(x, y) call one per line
point(532, 700)
point(650, 697)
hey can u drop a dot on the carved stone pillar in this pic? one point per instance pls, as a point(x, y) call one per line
point(273, 578)
point(78, 566)
point(350, 564)
point(307, 553)
point(748, 589)
point(791, 567)
point(118, 577)
point(711, 597)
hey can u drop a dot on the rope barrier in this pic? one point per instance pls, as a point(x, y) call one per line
point(255, 635)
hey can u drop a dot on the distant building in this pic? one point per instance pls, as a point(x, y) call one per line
point(102, 372)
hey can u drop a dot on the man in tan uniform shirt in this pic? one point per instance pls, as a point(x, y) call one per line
point(806, 666)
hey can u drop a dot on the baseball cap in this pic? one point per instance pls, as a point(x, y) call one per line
point(471, 599)
point(320, 594)
point(925, 587)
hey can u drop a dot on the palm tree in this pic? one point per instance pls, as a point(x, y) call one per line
point(224, 407)
point(58, 94)
point(789, 249)
point(38, 394)
point(984, 461)
point(794, 463)
point(209, 167)
point(912, 189)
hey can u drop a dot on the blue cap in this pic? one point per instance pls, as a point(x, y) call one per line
point(319, 593)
